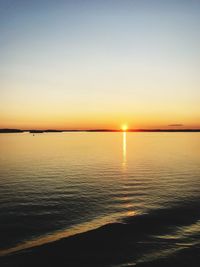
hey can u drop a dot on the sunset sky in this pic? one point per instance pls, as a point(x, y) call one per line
point(99, 64)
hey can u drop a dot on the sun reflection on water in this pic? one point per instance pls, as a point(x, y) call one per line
point(124, 149)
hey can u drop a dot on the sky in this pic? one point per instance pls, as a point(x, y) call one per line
point(79, 64)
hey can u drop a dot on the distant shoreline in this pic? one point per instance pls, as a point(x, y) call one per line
point(96, 130)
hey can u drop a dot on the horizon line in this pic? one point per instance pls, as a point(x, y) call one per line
point(14, 130)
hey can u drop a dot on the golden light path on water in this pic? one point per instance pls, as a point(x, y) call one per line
point(124, 148)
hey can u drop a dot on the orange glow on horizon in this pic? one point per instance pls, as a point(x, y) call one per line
point(61, 121)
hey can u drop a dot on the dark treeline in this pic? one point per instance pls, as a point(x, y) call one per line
point(97, 130)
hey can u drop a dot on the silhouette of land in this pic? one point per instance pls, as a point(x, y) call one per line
point(11, 131)
point(95, 130)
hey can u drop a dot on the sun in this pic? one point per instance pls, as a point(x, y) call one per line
point(124, 127)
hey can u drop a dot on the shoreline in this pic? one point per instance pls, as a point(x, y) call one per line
point(98, 130)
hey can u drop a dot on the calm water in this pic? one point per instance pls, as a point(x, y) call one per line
point(55, 185)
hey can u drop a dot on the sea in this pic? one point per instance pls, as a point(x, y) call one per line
point(56, 185)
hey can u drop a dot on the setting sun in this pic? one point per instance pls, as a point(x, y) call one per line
point(124, 127)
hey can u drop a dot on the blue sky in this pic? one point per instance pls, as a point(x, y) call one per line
point(99, 63)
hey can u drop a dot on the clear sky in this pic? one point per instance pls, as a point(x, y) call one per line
point(99, 63)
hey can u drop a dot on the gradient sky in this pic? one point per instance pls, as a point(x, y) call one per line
point(99, 64)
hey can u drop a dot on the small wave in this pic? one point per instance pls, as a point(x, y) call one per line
point(134, 240)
